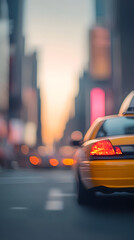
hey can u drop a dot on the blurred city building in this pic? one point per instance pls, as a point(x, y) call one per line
point(4, 59)
point(110, 75)
point(31, 109)
point(123, 44)
point(15, 9)
point(39, 134)
point(29, 97)
point(20, 102)
point(118, 17)
point(81, 119)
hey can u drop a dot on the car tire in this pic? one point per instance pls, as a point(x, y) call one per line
point(84, 196)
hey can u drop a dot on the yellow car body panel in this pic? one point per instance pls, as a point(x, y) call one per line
point(108, 172)
point(112, 173)
point(122, 140)
point(105, 161)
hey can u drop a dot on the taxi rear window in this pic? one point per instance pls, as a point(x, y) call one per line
point(117, 126)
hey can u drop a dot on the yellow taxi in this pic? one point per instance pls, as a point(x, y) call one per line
point(105, 160)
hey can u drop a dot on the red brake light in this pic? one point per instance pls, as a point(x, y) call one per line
point(68, 161)
point(35, 160)
point(53, 162)
point(104, 147)
point(118, 150)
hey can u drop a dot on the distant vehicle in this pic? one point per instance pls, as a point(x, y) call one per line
point(66, 156)
point(105, 160)
point(40, 158)
point(7, 154)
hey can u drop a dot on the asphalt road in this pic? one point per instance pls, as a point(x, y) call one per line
point(41, 204)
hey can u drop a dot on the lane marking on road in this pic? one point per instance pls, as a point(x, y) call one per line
point(18, 208)
point(58, 193)
point(55, 201)
point(33, 180)
point(63, 180)
point(68, 195)
point(23, 182)
point(56, 205)
point(54, 192)
point(20, 178)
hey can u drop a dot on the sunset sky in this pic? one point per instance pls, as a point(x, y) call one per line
point(58, 30)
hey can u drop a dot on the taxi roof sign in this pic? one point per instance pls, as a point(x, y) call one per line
point(127, 107)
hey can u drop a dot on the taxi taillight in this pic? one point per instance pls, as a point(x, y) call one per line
point(104, 148)
point(53, 162)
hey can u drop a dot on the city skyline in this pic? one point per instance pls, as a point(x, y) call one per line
point(59, 33)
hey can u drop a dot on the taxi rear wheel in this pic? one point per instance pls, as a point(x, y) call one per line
point(84, 196)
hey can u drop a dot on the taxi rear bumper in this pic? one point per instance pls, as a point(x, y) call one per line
point(108, 190)
point(110, 174)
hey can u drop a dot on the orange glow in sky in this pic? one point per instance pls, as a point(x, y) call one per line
point(58, 31)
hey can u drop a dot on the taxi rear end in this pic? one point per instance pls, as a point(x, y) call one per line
point(111, 158)
point(114, 172)
point(106, 160)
